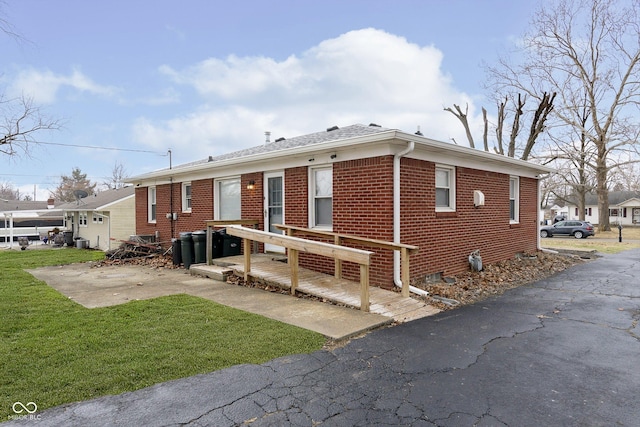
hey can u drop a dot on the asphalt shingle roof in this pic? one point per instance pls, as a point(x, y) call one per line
point(21, 205)
point(335, 134)
point(99, 199)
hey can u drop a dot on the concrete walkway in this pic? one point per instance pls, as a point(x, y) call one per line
point(106, 286)
point(561, 352)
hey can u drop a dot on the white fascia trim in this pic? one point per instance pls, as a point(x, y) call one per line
point(449, 153)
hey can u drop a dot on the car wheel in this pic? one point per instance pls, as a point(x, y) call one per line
point(578, 235)
point(543, 233)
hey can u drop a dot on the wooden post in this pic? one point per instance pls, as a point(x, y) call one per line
point(246, 243)
point(293, 263)
point(404, 271)
point(364, 287)
point(338, 262)
point(209, 245)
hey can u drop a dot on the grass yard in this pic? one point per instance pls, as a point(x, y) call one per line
point(54, 351)
point(603, 241)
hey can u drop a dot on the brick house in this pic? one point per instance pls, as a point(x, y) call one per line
point(362, 180)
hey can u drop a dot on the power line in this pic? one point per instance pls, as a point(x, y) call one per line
point(95, 147)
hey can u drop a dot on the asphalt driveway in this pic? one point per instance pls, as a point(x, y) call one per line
point(562, 352)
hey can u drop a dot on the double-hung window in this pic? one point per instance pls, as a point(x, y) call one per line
point(445, 188)
point(82, 219)
point(321, 200)
point(151, 214)
point(514, 199)
point(186, 197)
point(227, 198)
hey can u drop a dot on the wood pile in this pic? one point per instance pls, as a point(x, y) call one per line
point(140, 252)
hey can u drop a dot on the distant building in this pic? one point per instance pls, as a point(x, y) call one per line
point(624, 208)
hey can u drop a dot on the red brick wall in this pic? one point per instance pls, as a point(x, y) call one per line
point(201, 209)
point(363, 206)
point(296, 201)
point(447, 239)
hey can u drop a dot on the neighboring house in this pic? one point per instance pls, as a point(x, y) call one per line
point(31, 219)
point(361, 180)
point(624, 208)
point(104, 219)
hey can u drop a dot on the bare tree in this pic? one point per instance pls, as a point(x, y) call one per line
point(20, 119)
point(8, 192)
point(588, 51)
point(118, 177)
point(538, 118)
point(463, 119)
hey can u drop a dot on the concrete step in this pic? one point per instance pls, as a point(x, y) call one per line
point(214, 272)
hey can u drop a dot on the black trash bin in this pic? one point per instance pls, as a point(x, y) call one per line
point(217, 244)
point(186, 245)
point(231, 245)
point(176, 252)
point(68, 238)
point(199, 246)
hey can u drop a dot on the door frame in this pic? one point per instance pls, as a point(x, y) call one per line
point(267, 222)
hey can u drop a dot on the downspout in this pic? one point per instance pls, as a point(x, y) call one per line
point(540, 248)
point(171, 222)
point(396, 219)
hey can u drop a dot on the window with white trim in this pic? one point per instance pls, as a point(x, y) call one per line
point(321, 197)
point(445, 188)
point(186, 197)
point(82, 219)
point(97, 217)
point(151, 215)
point(227, 198)
point(514, 199)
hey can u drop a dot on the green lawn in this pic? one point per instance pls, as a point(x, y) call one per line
point(54, 351)
point(603, 241)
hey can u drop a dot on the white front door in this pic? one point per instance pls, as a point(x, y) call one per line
point(273, 206)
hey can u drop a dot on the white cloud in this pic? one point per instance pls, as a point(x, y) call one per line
point(362, 76)
point(44, 86)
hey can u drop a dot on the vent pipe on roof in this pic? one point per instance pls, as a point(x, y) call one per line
point(267, 137)
point(418, 131)
point(280, 139)
point(332, 128)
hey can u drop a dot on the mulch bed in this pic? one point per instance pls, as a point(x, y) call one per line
point(496, 278)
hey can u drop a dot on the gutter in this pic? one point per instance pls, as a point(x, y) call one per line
point(396, 219)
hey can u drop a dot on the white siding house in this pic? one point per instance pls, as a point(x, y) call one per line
point(624, 208)
point(104, 219)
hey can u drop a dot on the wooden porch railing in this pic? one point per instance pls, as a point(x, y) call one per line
point(211, 224)
point(338, 239)
point(294, 245)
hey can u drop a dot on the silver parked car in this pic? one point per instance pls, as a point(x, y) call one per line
point(577, 229)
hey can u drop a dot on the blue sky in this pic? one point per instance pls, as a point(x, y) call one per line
point(207, 77)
